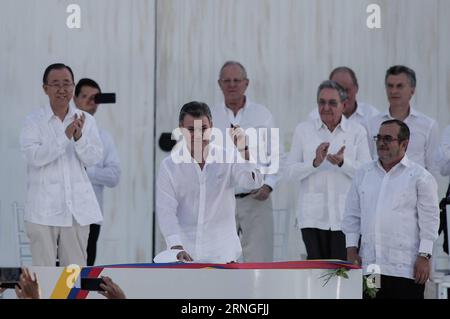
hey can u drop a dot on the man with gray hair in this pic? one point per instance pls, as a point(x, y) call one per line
point(354, 110)
point(400, 82)
point(324, 155)
point(58, 142)
point(254, 216)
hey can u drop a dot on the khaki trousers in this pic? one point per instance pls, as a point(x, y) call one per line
point(68, 243)
point(254, 222)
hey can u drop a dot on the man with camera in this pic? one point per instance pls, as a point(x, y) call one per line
point(106, 172)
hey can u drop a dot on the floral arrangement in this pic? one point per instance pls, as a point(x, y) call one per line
point(369, 288)
point(339, 272)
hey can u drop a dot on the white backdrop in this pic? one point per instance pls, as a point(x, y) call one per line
point(158, 54)
point(115, 46)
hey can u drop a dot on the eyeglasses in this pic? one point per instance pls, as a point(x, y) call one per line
point(384, 138)
point(232, 81)
point(332, 103)
point(65, 86)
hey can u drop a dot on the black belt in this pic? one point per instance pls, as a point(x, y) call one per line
point(242, 195)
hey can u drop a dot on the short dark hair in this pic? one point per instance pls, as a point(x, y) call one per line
point(328, 84)
point(399, 69)
point(86, 82)
point(195, 109)
point(346, 70)
point(56, 66)
point(404, 132)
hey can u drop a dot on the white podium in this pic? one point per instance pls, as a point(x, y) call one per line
point(290, 280)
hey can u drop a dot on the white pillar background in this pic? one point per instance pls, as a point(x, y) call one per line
point(160, 54)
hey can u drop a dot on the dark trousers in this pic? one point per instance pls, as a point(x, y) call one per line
point(399, 288)
point(94, 232)
point(324, 244)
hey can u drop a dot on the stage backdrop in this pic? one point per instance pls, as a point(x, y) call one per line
point(158, 54)
point(115, 46)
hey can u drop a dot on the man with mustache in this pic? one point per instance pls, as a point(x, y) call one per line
point(393, 205)
point(324, 155)
point(354, 110)
point(59, 142)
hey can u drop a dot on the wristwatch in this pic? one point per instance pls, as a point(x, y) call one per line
point(425, 255)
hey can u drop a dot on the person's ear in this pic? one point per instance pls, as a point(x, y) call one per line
point(404, 144)
point(413, 91)
point(45, 88)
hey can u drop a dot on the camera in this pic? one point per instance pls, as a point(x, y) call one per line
point(105, 98)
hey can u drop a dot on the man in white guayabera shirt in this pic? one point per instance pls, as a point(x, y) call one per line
point(400, 82)
point(324, 156)
point(195, 201)
point(393, 205)
point(254, 211)
point(353, 110)
point(59, 142)
point(107, 171)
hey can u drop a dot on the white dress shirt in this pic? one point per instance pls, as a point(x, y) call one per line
point(323, 190)
point(196, 208)
point(443, 153)
point(107, 171)
point(58, 188)
point(423, 142)
point(363, 114)
point(252, 115)
point(396, 213)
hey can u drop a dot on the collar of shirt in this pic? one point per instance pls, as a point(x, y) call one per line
point(343, 125)
point(404, 162)
point(359, 110)
point(235, 120)
point(49, 114)
point(412, 112)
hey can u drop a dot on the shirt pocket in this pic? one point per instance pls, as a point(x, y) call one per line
point(313, 206)
point(401, 256)
point(52, 199)
point(220, 179)
point(406, 198)
point(84, 199)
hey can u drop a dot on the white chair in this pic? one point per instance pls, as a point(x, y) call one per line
point(281, 220)
point(23, 241)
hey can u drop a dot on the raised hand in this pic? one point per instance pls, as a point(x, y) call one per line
point(239, 138)
point(79, 123)
point(111, 289)
point(321, 154)
point(338, 158)
point(28, 286)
